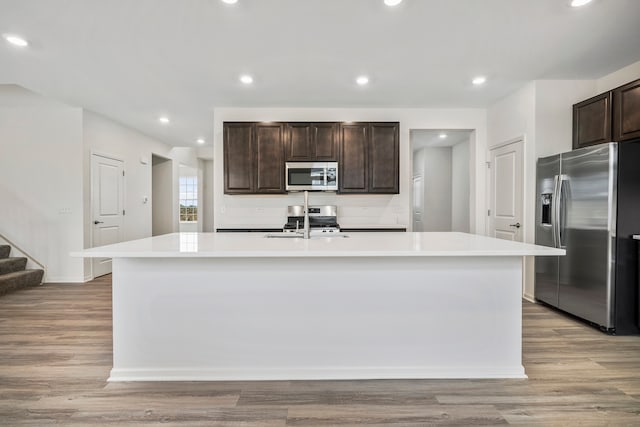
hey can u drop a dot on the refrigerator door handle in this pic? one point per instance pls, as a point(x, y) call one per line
point(559, 210)
point(555, 212)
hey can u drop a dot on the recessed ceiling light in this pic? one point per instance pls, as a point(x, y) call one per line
point(578, 3)
point(230, 1)
point(479, 80)
point(200, 141)
point(442, 135)
point(16, 40)
point(362, 80)
point(246, 79)
point(392, 2)
point(164, 120)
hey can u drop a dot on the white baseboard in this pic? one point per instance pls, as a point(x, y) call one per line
point(311, 373)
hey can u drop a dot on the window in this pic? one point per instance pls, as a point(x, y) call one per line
point(188, 198)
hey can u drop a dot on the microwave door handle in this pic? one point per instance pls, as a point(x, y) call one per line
point(325, 177)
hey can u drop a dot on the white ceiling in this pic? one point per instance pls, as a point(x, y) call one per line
point(133, 60)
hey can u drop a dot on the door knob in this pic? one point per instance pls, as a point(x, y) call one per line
point(98, 222)
point(516, 225)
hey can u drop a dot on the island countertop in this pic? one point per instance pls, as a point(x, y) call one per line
point(257, 245)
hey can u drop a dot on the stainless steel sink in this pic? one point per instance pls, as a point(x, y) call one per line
point(284, 235)
point(289, 235)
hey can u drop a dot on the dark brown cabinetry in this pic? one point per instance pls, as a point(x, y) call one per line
point(610, 116)
point(238, 158)
point(592, 121)
point(384, 158)
point(253, 158)
point(626, 112)
point(269, 158)
point(255, 155)
point(311, 141)
point(353, 174)
point(369, 158)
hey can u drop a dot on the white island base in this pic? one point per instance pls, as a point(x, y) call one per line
point(316, 317)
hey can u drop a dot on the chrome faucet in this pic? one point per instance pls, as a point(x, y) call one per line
point(305, 231)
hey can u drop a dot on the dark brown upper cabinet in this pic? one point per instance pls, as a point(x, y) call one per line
point(610, 116)
point(253, 158)
point(311, 141)
point(592, 121)
point(270, 158)
point(353, 171)
point(384, 158)
point(369, 158)
point(239, 161)
point(255, 154)
point(626, 112)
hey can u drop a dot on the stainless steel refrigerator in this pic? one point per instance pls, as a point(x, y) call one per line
point(588, 202)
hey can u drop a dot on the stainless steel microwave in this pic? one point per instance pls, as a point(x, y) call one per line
point(312, 176)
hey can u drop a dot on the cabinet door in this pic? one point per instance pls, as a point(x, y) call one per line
point(353, 173)
point(238, 166)
point(269, 158)
point(592, 121)
point(324, 137)
point(626, 112)
point(384, 158)
point(299, 142)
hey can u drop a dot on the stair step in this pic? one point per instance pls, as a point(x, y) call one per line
point(20, 280)
point(9, 265)
point(5, 250)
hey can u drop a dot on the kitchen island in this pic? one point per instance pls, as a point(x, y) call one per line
point(236, 306)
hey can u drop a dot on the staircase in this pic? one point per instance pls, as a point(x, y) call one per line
point(13, 273)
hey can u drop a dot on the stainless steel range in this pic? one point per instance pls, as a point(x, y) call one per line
point(322, 219)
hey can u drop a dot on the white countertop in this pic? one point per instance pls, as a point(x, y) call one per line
point(363, 244)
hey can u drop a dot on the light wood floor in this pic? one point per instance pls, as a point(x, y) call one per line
point(55, 356)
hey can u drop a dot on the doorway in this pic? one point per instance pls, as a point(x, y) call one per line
point(107, 206)
point(162, 210)
point(441, 191)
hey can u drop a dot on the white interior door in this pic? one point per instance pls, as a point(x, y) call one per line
point(418, 202)
point(107, 198)
point(506, 201)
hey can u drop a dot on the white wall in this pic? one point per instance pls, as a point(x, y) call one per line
point(554, 101)
point(234, 211)
point(437, 189)
point(618, 78)
point(41, 180)
point(460, 184)
point(207, 195)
